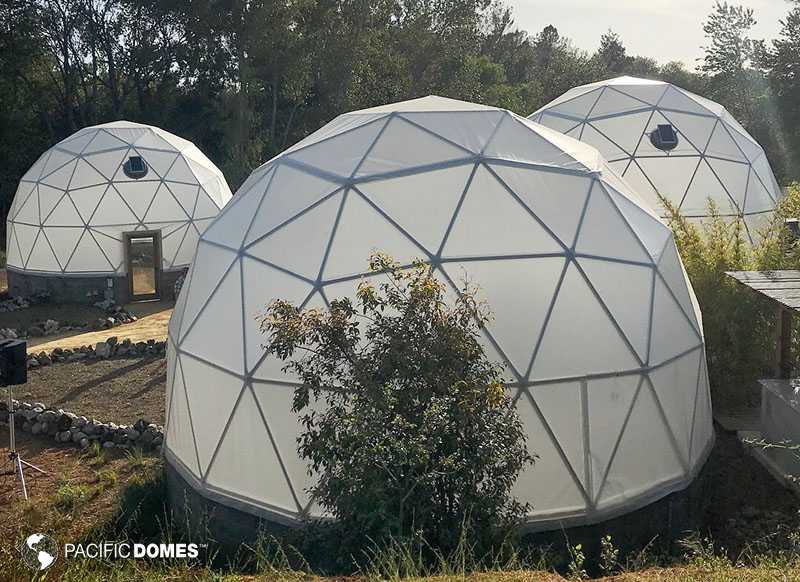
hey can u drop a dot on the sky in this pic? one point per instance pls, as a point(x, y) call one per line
point(666, 30)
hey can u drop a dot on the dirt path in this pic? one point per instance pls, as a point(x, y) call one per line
point(152, 324)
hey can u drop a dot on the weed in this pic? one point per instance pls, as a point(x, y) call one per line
point(609, 555)
point(70, 497)
point(576, 567)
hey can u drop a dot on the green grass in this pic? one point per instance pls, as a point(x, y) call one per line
point(139, 513)
point(70, 497)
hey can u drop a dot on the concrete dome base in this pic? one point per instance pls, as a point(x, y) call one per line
point(89, 289)
point(660, 523)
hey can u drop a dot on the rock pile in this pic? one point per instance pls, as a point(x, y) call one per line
point(115, 315)
point(8, 333)
point(16, 303)
point(67, 427)
point(100, 351)
point(47, 327)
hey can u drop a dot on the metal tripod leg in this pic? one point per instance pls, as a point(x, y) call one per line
point(18, 462)
point(13, 455)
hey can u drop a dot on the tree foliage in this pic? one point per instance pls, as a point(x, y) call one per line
point(738, 324)
point(407, 425)
point(246, 79)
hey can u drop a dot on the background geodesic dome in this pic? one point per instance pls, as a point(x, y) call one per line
point(594, 318)
point(714, 158)
point(73, 205)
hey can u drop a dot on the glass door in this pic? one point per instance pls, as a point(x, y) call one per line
point(144, 264)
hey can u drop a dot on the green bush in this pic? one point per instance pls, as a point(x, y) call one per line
point(407, 424)
point(739, 325)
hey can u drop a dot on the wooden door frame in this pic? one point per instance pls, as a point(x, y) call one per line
point(156, 235)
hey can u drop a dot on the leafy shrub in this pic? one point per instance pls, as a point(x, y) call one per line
point(70, 496)
point(407, 424)
point(739, 325)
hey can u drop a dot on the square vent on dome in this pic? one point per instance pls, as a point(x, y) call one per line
point(664, 137)
point(135, 167)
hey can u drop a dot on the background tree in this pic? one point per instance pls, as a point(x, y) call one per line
point(782, 63)
point(611, 54)
point(407, 425)
point(245, 79)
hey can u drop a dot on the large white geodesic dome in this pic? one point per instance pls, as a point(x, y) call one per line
point(714, 156)
point(72, 207)
point(594, 317)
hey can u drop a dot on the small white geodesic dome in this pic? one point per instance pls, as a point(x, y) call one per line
point(714, 157)
point(594, 317)
point(72, 207)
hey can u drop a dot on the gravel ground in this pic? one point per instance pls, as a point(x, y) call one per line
point(120, 390)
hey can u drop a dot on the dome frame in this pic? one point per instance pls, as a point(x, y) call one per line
point(235, 262)
point(74, 208)
point(715, 156)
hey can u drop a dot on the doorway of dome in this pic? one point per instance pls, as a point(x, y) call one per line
point(143, 256)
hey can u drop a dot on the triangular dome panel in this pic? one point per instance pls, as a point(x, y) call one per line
point(561, 405)
point(288, 192)
point(633, 466)
point(548, 483)
point(109, 164)
point(246, 462)
point(285, 428)
point(300, 245)
point(64, 241)
point(64, 214)
point(601, 217)
point(87, 199)
point(212, 395)
point(609, 400)
point(42, 257)
point(468, 129)
point(674, 333)
point(556, 199)
point(391, 152)
point(602, 350)
point(490, 221)
point(204, 281)
point(351, 146)
point(422, 204)
point(139, 195)
point(104, 141)
point(612, 101)
point(112, 210)
point(519, 310)
point(237, 217)
point(262, 284)
point(88, 257)
point(675, 386)
point(221, 316)
point(85, 175)
point(361, 230)
point(180, 437)
point(631, 310)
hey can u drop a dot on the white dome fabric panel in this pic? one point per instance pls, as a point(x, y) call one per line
point(714, 157)
point(594, 318)
point(74, 204)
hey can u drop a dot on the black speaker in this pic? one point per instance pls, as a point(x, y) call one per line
point(13, 362)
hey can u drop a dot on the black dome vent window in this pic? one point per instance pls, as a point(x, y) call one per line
point(135, 167)
point(664, 137)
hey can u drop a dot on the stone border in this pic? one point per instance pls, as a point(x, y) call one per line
point(100, 351)
point(69, 428)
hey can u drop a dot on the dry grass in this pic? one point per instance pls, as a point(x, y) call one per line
point(120, 390)
point(91, 496)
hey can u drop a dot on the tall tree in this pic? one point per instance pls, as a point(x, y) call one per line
point(783, 62)
point(611, 54)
